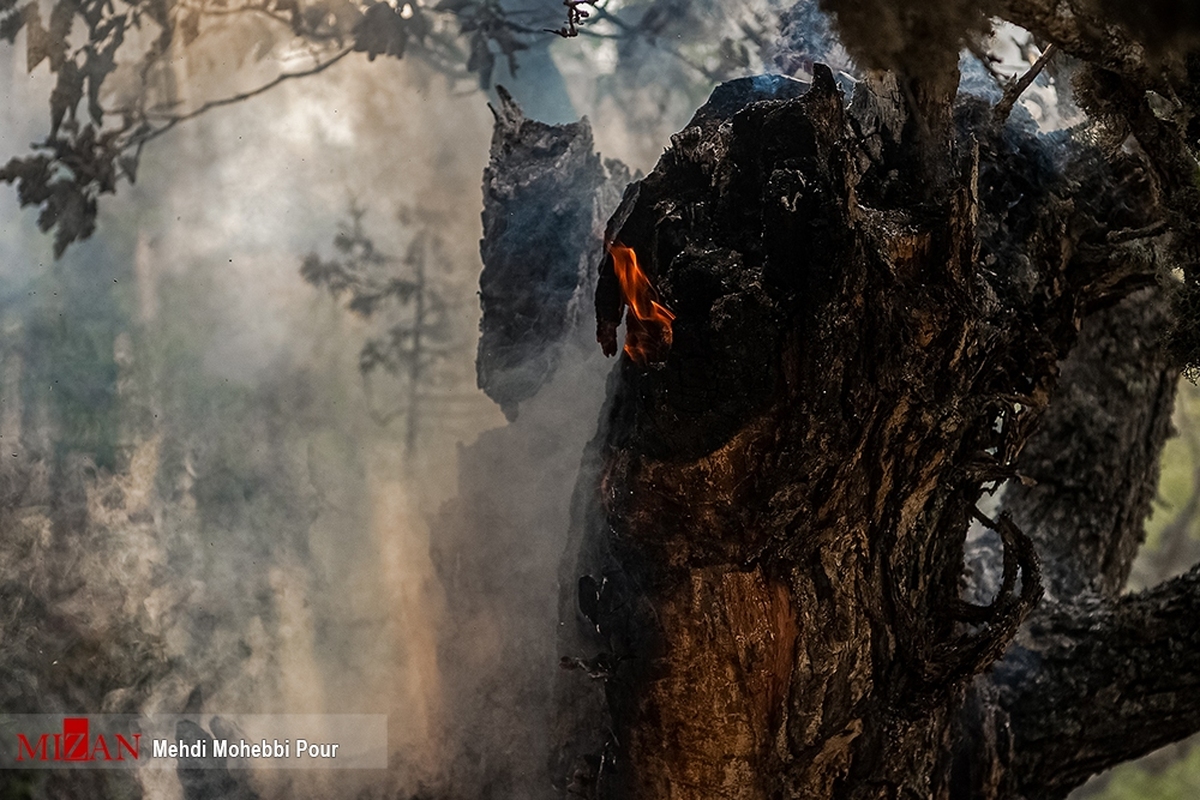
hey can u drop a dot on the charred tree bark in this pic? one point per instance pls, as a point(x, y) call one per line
point(539, 197)
point(1094, 683)
point(1089, 474)
point(774, 567)
point(497, 545)
point(1086, 481)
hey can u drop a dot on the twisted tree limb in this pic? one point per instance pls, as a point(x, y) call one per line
point(1096, 682)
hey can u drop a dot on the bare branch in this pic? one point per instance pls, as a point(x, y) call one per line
point(1074, 27)
point(137, 141)
point(576, 14)
point(1014, 90)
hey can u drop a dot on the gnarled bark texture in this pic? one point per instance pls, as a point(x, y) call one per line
point(885, 307)
point(773, 573)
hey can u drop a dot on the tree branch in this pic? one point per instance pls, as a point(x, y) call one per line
point(1098, 682)
point(1094, 464)
point(137, 141)
point(1085, 35)
point(1094, 457)
point(1014, 90)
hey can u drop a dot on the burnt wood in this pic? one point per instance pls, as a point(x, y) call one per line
point(774, 540)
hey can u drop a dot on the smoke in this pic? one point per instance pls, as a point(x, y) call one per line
point(197, 500)
point(201, 506)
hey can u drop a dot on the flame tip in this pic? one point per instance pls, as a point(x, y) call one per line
point(648, 323)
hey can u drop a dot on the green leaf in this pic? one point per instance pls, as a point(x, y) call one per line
point(72, 212)
point(11, 24)
point(99, 65)
point(481, 59)
point(67, 93)
point(32, 176)
point(61, 19)
point(381, 31)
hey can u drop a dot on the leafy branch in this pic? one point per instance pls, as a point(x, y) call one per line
point(91, 148)
point(144, 135)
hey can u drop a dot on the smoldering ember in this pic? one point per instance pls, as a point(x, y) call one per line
point(805, 451)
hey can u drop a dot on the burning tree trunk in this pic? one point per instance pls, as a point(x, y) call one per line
point(870, 305)
point(498, 544)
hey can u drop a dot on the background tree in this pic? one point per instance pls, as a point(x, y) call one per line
point(420, 339)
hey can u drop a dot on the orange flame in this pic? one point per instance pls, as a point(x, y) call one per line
point(648, 333)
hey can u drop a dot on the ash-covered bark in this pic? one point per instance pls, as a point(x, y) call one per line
point(782, 504)
point(497, 545)
point(539, 199)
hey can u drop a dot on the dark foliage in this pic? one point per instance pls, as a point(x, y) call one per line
point(79, 160)
point(487, 29)
point(384, 30)
point(90, 148)
point(66, 184)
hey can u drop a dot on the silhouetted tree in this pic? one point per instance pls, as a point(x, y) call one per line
point(420, 337)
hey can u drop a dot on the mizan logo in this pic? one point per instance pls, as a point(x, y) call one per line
point(75, 744)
